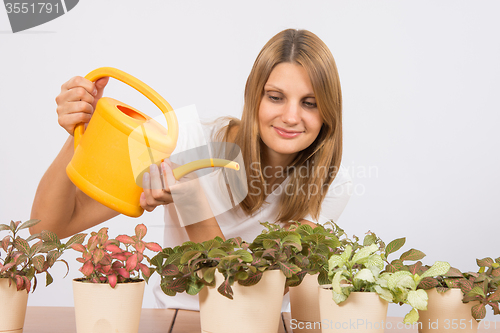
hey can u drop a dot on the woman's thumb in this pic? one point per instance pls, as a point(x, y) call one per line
point(100, 84)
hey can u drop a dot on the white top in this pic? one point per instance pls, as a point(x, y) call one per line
point(235, 223)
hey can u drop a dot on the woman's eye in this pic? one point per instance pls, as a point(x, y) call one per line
point(310, 104)
point(274, 98)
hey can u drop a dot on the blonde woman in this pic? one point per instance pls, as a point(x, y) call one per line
point(290, 136)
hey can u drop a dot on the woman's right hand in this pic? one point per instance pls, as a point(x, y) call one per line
point(77, 100)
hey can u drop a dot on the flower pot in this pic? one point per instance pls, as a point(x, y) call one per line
point(361, 312)
point(304, 303)
point(446, 313)
point(12, 307)
point(253, 309)
point(101, 309)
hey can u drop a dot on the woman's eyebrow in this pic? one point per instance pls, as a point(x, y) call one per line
point(267, 86)
point(272, 86)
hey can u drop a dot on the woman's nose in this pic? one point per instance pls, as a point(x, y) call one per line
point(291, 114)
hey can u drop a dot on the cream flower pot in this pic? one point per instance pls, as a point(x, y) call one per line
point(253, 309)
point(304, 303)
point(446, 313)
point(362, 312)
point(12, 307)
point(102, 309)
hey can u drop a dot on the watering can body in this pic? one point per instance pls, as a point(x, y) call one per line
point(118, 146)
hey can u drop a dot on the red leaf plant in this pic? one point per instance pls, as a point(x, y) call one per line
point(20, 262)
point(116, 260)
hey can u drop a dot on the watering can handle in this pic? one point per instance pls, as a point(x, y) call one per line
point(153, 96)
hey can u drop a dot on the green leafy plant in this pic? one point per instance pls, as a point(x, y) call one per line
point(360, 268)
point(106, 261)
point(22, 261)
point(191, 266)
point(481, 286)
point(402, 280)
point(318, 244)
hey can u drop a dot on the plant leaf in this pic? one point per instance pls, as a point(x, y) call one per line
point(412, 255)
point(369, 239)
point(453, 272)
point(394, 266)
point(244, 255)
point(253, 278)
point(411, 317)
point(478, 311)
point(4, 227)
point(439, 268)
point(418, 299)
point(477, 290)
point(76, 239)
point(496, 310)
point(485, 262)
point(364, 253)
point(22, 245)
point(495, 297)
point(365, 274)
point(152, 246)
point(466, 285)
point(428, 283)
point(48, 278)
point(288, 268)
point(394, 246)
point(415, 268)
point(225, 289)
point(29, 224)
point(51, 237)
point(140, 231)
point(125, 239)
point(38, 262)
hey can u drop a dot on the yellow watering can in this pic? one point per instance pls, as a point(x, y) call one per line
point(103, 166)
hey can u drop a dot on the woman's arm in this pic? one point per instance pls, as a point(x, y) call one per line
point(59, 205)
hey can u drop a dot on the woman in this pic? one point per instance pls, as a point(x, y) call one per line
point(290, 136)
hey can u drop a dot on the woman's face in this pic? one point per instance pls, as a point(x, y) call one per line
point(289, 120)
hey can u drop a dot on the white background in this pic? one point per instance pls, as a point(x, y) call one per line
point(420, 83)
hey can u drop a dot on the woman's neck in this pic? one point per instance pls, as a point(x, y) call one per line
point(274, 167)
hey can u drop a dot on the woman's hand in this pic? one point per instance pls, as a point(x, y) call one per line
point(155, 186)
point(187, 193)
point(77, 100)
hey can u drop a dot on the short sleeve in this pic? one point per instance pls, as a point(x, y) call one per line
point(336, 199)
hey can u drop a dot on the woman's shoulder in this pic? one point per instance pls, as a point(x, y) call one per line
point(342, 177)
point(221, 129)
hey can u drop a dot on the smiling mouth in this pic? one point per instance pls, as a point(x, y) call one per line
point(286, 134)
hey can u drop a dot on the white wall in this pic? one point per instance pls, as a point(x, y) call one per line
point(420, 87)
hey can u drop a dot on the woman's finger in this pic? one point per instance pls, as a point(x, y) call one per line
point(79, 81)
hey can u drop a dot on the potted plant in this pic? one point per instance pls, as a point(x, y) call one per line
point(109, 296)
point(361, 288)
point(458, 301)
point(318, 245)
point(19, 265)
point(239, 283)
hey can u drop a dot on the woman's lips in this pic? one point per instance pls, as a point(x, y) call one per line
point(286, 133)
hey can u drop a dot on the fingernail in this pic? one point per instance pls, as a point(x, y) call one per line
point(95, 91)
point(153, 168)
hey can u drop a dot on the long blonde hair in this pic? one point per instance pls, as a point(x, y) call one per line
point(322, 158)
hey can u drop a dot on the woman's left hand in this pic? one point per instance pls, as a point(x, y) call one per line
point(156, 190)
